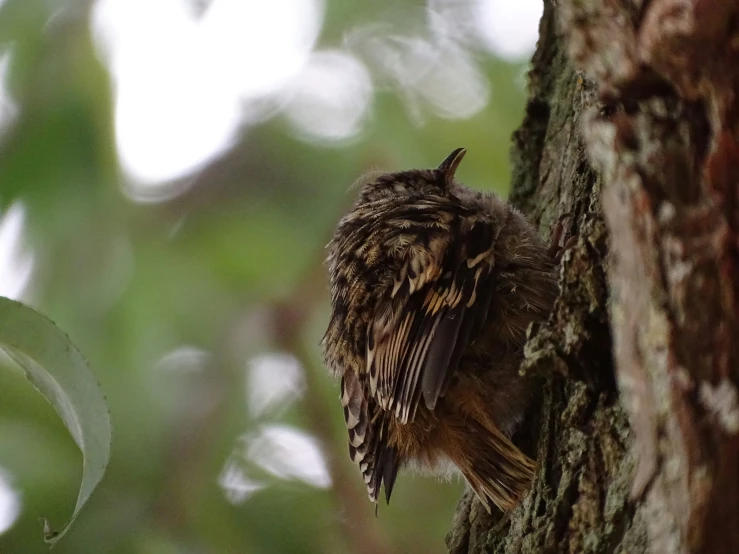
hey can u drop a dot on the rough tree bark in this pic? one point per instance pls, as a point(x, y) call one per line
point(638, 439)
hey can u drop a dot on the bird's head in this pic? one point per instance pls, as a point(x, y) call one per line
point(381, 187)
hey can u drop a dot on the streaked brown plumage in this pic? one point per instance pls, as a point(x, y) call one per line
point(433, 286)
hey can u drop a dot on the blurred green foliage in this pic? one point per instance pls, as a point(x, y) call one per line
point(228, 267)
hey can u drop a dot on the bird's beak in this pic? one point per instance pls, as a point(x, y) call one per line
point(449, 166)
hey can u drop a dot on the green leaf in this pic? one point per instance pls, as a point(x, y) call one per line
point(60, 373)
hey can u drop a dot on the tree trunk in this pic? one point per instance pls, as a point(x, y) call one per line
point(640, 455)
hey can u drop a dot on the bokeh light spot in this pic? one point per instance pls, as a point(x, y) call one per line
point(10, 502)
point(331, 98)
point(289, 453)
point(16, 261)
point(510, 29)
point(274, 381)
point(8, 106)
point(183, 82)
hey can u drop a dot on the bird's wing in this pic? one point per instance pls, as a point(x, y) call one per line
point(433, 309)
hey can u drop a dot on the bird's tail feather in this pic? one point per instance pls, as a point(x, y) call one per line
point(494, 467)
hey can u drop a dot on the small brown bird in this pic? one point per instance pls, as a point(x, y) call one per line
point(433, 286)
